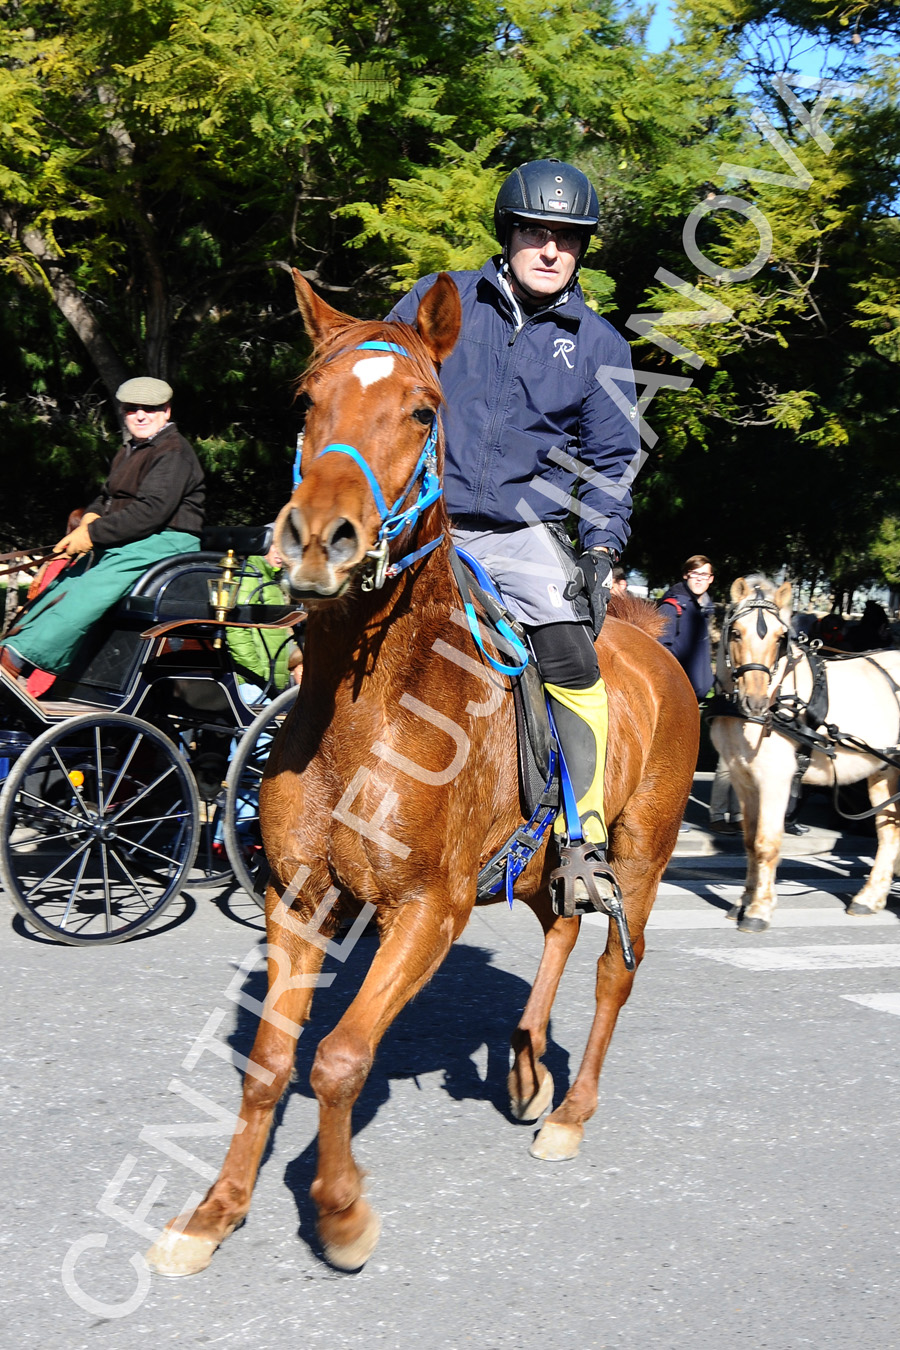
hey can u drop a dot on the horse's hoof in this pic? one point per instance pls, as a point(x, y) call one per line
point(557, 1143)
point(858, 910)
point(353, 1255)
point(536, 1105)
point(748, 925)
point(180, 1253)
point(735, 912)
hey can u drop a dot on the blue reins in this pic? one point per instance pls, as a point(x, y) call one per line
point(393, 520)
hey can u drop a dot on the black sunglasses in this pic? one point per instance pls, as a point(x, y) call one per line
point(143, 407)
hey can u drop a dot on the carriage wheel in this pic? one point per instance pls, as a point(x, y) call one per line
point(243, 840)
point(99, 829)
point(212, 867)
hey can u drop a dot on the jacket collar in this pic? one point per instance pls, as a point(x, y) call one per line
point(131, 445)
point(570, 307)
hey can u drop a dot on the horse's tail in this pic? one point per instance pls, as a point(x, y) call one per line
point(639, 613)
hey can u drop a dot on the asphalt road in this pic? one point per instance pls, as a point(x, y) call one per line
point(737, 1187)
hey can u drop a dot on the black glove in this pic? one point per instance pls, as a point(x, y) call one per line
point(597, 566)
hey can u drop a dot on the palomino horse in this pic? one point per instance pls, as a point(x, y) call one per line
point(395, 778)
point(771, 681)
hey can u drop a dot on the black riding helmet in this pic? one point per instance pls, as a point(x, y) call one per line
point(549, 190)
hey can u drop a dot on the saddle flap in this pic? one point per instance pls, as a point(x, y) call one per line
point(533, 737)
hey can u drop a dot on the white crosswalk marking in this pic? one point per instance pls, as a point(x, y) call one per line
point(683, 920)
point(844, 957)
point(889, 1003)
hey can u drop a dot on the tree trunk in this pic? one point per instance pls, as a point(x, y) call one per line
point(158, 317)
point(71, 304)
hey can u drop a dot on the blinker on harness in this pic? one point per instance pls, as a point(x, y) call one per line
point(393, 520)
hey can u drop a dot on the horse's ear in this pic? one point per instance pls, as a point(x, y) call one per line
point(784, 596)
point(319, 319)
point(739, 589)
point(439, 317)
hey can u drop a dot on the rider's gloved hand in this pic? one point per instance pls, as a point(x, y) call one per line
point(597, 565)
point(79, 540)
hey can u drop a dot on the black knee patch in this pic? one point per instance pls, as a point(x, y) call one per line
point(565, 654)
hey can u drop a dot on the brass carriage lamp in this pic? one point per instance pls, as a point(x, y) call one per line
point(223, 590)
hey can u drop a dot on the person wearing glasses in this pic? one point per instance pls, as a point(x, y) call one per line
point(536, 440)
point(688, 608)
point(150, 507)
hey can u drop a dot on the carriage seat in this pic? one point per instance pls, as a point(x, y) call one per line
point(172, 588)
point(176, 587)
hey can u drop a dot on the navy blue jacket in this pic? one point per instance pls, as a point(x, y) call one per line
point(518, 403)
point(687, 636)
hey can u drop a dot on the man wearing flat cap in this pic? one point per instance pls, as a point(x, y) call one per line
point(150, 507)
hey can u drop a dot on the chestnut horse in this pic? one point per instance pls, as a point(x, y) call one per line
point(395, 778)
point(765, 671)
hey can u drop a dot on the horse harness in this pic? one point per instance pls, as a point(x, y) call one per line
point(797, 718)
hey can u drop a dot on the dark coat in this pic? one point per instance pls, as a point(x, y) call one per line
point(687, 636)
point(152, 485)
point(524, 404)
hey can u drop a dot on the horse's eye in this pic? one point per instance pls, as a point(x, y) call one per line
point(304, 402)
point(424, 415)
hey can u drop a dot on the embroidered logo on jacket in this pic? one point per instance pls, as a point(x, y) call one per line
point(563, 347)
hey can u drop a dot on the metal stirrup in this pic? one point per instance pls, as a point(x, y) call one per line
point(584, 867)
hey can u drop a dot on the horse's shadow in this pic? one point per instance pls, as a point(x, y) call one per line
point(469, 1004)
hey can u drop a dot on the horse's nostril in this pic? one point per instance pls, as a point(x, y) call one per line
point(342, 543)
point(290, 544)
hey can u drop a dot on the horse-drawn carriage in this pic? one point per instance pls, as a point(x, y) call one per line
point(140, 778)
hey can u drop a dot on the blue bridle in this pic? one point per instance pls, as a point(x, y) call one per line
point(393, 520)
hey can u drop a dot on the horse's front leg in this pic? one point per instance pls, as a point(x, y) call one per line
point(415, 940)
point(530, 1083)
point(187, 1243)
point(748, 798)
point(562, 1132)
point(763, 815)
point(873, 895)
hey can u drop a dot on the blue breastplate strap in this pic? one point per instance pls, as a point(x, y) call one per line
point(495, 608)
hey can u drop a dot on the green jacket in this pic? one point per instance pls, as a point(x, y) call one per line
point(258, 648)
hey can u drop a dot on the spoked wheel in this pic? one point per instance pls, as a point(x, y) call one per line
point(99, 829)
point(208, 756)
point(212, 866)
point(243, 839)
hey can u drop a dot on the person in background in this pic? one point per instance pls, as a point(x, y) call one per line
point(263, 655)
point(619, 583)
point(873, 631)
point(150, 507)
point(688, 609)
point(830, 632)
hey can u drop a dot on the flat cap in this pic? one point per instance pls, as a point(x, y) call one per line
point(145, 392)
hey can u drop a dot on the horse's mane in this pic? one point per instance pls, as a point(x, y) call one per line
point(755, 579)
point(639, 613)
point(344, 339)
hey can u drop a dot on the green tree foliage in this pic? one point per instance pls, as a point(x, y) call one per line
point(790, 420)
point(157, 160)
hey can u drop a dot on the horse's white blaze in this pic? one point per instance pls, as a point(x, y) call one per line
point(370, 369)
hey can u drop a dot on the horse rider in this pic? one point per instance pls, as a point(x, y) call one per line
point(533, 435)
point(150, 507)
